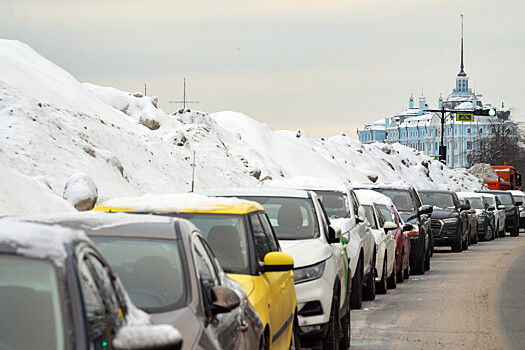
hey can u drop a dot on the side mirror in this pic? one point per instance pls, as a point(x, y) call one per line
point(519, 203)
point(361, 214)
point(334, 234)
point(224, 300)
point(153, 337)
point(472, 211)
point(425, 209)
point(389, 225)
point(501, 206)
point(464, 207)
point(491, 208)
point(277, 261)
point(408, 227)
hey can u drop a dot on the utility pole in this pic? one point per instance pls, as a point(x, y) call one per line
point(145, 90)
point(184, 102)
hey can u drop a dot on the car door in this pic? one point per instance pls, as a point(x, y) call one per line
point(224, 329)
point(277, 281)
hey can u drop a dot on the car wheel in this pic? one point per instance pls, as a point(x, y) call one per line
point(369, 290)
point(515, 232)
point(406, 273)
point(400, 272)
point(264, 343)
point(381, 285)
point(418, 267)
point(457, 247)
point(356, 296)
point(427, 261)
point(331, 340)
point(464, 244)
point(392, 280)
point(475, 238)
point(295, 340)
point(346, 329)
point(492, 233)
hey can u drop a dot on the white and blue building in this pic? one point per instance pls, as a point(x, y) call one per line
point(420, 129)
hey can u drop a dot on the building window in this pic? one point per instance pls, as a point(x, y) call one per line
point(481, 130)
point(469, 145)
point(468, 130)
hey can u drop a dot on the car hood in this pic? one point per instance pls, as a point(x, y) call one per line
point(409, 217)
point(306, 252)
point(440, 213)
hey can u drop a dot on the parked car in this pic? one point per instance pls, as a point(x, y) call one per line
point(472, 219)
point(171, 273)
point(449, 220)
point(242, 239)
point(512, 216)
point(499, 214)
point(58, 292)
point(413, 211)
point(384, 234)
point(322, 276)
point(345, 212)
point(484, 213)
point(519, 197)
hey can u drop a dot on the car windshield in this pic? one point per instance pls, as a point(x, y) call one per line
point(30, 307)
point(436, 199)
point(490, 201)
point(476, 203)
point(401, 198)
point(151, 270)
point(335, 204)
point(505, 198)
point(226, 235)
point(292, 218)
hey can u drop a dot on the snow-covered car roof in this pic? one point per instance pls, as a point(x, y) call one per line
point(369, 197)
point(259, 192)
point(462, 195)
point(38, 240)
point(307, 183)
point(400, 185)
point(187, 202)
point(516, 193)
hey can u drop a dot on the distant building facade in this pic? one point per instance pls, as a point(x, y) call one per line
point(420, 129)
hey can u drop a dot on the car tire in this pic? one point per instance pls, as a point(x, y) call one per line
point(346, 328)
point(264, 343)
point(427, 261)
point(399, 274)
point(515, 232)
point(392, 280)
point(381, 285)
point(369, 290)
point(356, 296)
point(475, 240)
point(406, 273)
point(464, 244)
point(418, 267)
point(331, 340)
point(492, 234)
point(295, 340)
point(457, 247)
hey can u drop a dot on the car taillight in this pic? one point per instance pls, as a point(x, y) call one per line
point(413, 233)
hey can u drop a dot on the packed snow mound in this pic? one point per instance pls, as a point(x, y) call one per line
point(81, 191)
point(53, 127)
point(484, 172)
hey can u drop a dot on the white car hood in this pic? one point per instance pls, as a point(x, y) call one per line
point(306, 252)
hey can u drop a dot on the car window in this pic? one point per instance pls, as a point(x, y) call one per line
point(97, 320)
point(476, 203)
point(370, 216)
point(504, 198)
point(205, 268)
point(335, 203)
point(402, 199)
point(30, 304)
point(437, 199)
point(264, 243)
point(291, 217)
point(386, 214)
point(152, 270)
point(269, 229)
point(355, 203)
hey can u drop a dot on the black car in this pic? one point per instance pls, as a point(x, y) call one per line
point(472, 219)
point(413, 211)
point(58, 292)
point(512, 219)
point(450, 222)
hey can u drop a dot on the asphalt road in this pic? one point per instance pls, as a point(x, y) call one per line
point(453, 306)
point(510, 305)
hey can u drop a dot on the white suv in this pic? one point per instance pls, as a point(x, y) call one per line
point(321, 271)
point(343, 208)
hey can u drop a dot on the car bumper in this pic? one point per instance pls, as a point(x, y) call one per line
point(314, 299)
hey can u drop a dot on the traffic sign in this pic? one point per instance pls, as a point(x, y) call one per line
point(464, 117)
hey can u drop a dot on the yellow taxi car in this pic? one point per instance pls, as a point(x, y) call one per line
point(243, 240)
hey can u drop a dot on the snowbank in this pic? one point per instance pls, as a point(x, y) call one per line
point(484, 172)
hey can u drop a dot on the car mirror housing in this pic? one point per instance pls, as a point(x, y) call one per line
point(224, 300)
point(501, 206)
point(361, 214)
point(491, 208)
point(277, 261)
point(152, 337)
point(425, 209)
point(334, 234)
point(389, 225)
point(408, 227)
point(464, 207)
point(519, 203)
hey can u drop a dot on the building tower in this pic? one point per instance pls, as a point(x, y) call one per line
point(462, 89)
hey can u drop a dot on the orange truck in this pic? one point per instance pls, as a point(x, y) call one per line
point(509, 178)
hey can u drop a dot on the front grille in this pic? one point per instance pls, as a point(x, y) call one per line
point(436, 226)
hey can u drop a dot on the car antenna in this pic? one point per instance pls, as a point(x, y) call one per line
point(193, 172)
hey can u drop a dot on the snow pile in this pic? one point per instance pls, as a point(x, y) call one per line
point(53, 127)
point(484, 172)
point(370, 197)
point(81, 192)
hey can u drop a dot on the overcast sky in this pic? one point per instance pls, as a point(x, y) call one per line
point(322, 66)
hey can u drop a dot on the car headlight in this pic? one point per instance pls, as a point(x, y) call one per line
point(309, 273)
point(450, 220)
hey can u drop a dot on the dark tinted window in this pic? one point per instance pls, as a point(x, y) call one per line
point(264, 243)
point(440, 200)
point(402, 199)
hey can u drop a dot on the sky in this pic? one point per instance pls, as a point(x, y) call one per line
point(322, 66)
